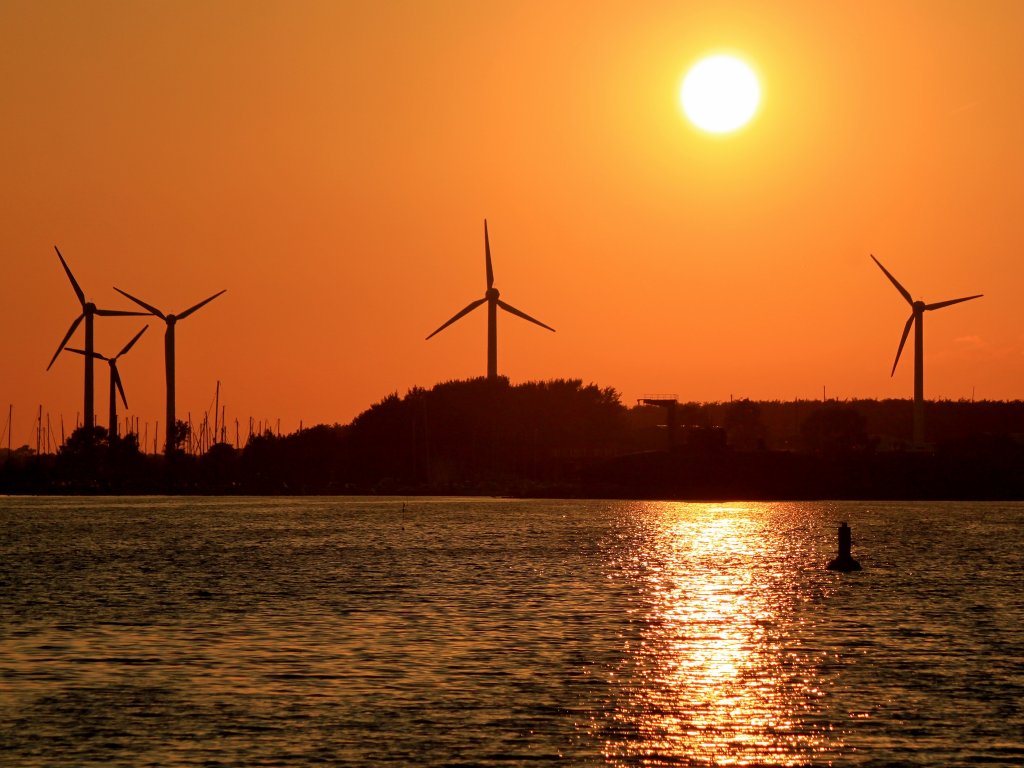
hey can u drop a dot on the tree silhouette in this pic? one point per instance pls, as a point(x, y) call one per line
point(744, 426)
point(179, 436)
point(93, 460)
point(460, 434)
point(835, 430)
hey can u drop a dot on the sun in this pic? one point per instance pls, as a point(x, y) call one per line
point(720, 94)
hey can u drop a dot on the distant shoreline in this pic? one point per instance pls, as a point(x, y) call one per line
point(661, 475)
point(563, 439)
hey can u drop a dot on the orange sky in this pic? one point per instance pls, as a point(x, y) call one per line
point(331, 164)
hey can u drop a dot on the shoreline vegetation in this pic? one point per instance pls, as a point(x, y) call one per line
point(561, 438)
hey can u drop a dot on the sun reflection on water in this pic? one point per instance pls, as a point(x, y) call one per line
point(715, 678)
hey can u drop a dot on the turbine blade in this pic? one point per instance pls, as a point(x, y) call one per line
point(118, 313)
point(190, 310)
point(95, 355)
point(900, 288)
point(941, 304)
point(487, 252)
point(117, 383)
point(148, 307)
point(74, 283)
point(466, 311)
point(131, 343)
point(64, 341)
point(906, 332)
point(514, 311)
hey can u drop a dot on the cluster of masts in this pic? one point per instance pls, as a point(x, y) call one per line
point(202, 435)
point(491, 298)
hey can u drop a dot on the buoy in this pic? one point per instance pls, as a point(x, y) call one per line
point(844, 561)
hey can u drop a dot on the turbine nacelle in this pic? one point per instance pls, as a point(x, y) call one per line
point(917, 310)
point(115, 377)
point(491, 298)
point(916, 322)
point(170, 320)
point(89, 312)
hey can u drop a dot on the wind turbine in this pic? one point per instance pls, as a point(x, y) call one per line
point(916, 319)
point(115, 378)
point(89, 310)
point(171, 321)
point(493, 302)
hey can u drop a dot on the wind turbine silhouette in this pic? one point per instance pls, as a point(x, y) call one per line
point(115, 378)
point(171, 321)
point(493, 302)
point(916, 319)
point(89, 310)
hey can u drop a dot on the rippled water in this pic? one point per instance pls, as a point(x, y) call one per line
point(153, 631)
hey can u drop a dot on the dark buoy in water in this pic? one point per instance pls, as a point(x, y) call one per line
point(844, 561)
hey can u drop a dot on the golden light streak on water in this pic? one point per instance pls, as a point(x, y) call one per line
point(718, 686)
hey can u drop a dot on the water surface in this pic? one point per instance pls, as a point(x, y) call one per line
point(370, 631)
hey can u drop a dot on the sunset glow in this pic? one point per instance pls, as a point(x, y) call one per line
point(331, 165)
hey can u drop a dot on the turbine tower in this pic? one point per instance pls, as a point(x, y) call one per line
point(89, 310)
point(493, 302)
point(171, 321)
point(916, 319)
point(115, 378)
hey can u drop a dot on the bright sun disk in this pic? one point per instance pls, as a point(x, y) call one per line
point(720, 94)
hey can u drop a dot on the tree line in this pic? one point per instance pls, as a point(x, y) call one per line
point(564, 437)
